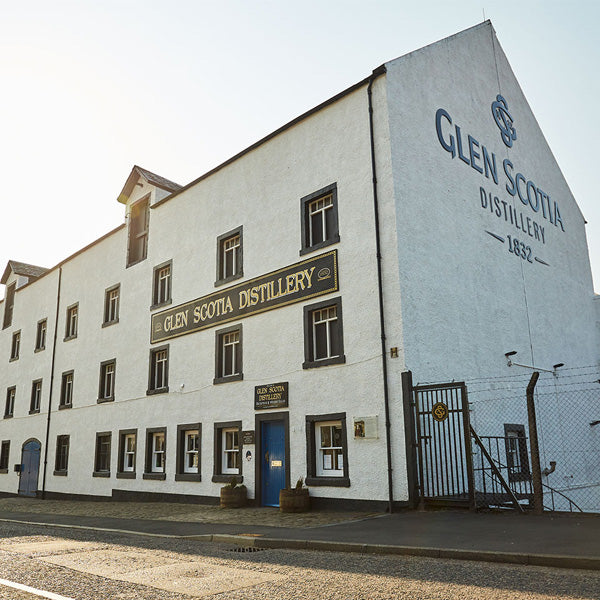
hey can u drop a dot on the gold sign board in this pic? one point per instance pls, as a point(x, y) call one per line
point(303, 280)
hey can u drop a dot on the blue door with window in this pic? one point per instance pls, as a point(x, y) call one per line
point(30, 467)
point(273, 461)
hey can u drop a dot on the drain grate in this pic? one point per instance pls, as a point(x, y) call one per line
point(245, 549)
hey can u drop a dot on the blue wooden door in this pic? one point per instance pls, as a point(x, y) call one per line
point(273, 461)
point(30, 467)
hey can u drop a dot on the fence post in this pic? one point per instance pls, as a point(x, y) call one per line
point(536, 472)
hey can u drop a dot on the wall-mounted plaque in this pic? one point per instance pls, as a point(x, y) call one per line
point(365, 428)
point(247, 438)
point(271, 395)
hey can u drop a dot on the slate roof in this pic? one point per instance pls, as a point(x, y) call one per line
point(151, 178)
point(19, 268)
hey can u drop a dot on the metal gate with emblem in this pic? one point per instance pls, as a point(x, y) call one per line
point(445, 462)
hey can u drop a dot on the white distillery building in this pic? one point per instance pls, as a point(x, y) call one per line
point(270, 319)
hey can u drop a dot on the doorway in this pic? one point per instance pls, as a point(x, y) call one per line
point(30, 468)
point(273, 460)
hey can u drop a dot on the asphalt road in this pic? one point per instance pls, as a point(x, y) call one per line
point(86, 565)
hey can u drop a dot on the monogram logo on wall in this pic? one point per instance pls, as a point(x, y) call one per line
point(504, 121)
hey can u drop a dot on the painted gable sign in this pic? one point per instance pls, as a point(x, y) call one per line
point(528, 212)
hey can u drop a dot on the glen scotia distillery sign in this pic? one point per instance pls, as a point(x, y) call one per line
point(300, 281)
point(529, 220)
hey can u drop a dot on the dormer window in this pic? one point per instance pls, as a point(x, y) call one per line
point(139, 218)
point(9, 302)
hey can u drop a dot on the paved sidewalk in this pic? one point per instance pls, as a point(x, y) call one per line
point(569, 541)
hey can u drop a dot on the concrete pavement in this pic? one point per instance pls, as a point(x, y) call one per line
point(563, 540)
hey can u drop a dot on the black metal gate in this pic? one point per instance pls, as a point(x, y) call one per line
point(443, 442)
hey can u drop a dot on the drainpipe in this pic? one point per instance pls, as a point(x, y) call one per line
point(386, 400)
point(51, 385)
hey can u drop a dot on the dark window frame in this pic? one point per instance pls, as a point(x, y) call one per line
point(61, 403)
point(60, 469)
point(218, 476)
point(40, 335)
point(148, 472)
point(333, 237)
point(143, 233)
point(15, 345)
point(32, 409)
point(311, 451)
point(107, 321)
point(98, 472)
point(4, 456)
point(157, 302)
point(121, 473)
point(221, 277)
point(69, 333)
point(523, 473)
point(309, 310)
point(103, 367)
point(152, 372)
point(9, 304)
point(9, 414)
point(219, 366)
point(180, 474)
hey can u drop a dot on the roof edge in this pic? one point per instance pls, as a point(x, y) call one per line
point(381, 70)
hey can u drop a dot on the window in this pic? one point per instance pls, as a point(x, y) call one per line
point(111, 305)
point(9, 407)
point(9, 303)
point(36, 397)
point(127, 454)
point(517, 458)
point(155, 453)
point(188, 452)
point(229, 256)
point(71, 327)
point(106, 392)
point(327, 450)
point(158, 380)
point(139, 218)
point(4, 455)
point(319, 219)
point(323, 335)
point(228, 354)
point(15, 345)
point(102, 459)
point(66, 390)
point(40, 336)
point(161, 285)
point(61, 462)
point(228, 452)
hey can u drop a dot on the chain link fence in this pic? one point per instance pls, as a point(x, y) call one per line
point(567, 413)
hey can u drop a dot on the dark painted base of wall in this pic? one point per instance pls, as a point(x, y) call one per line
point(134, 496)
point(338, 504)
point(346, 504)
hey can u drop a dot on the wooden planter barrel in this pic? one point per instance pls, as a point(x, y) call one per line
point(233, 497)
point(294, 500)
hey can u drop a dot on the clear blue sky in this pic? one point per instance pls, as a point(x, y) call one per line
point(91, 88)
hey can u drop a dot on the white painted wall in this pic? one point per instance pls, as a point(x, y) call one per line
point(262, 192)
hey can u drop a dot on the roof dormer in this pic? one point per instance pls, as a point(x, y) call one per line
point(141, 190)
point(21, 273)
point(142, 183)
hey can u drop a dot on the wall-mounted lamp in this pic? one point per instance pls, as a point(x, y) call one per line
point(594, 423)
point(510, 363)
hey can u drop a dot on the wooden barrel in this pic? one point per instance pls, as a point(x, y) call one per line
point(294, 500)
point(233, 497)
